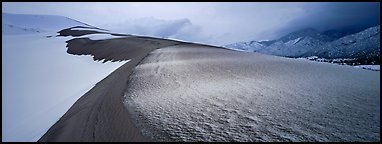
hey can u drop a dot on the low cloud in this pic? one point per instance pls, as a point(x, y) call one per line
point(182, 29)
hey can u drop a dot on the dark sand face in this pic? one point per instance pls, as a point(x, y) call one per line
point(115, 49)
point(100, 115)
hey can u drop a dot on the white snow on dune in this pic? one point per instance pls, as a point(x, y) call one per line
point(40, 83)
point(185, 93)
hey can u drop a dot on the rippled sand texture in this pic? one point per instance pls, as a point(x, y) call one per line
point(199, 93)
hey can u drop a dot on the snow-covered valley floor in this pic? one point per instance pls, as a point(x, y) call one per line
point(188, 93)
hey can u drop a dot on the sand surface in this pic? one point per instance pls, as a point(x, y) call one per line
point(199, 93)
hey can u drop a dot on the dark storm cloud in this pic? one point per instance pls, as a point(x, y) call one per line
point(339, 15)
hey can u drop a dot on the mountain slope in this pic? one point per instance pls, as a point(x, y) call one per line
point(292, 48)
point(294, 44)
point(251, 46)
point(363, 46)
point(364, 43)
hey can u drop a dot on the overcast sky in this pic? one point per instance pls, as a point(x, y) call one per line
point(212, 23)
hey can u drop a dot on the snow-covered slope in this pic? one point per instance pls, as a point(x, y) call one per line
point(366, 42)
point(27, 24)
point(292, 48)
point(294, 44)
point(251, 46)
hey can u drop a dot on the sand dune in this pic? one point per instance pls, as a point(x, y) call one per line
point(99, 115)
point(193, 92)
point(198, 93)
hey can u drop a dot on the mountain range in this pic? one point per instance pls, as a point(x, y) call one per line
point(362, 47)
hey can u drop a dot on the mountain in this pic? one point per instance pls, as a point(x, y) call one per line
point(362, 46)
point(267, 43)
point(292, 48)
point(308, 32)
point(251, 46)
point(27, 24)
point(292, 45)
